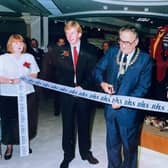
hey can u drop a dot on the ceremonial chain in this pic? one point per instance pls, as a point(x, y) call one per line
point(119, 62)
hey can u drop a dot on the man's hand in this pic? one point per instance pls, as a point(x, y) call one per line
point(116, 106)
point(16, 80)
point(108, 88)
point(78, 87)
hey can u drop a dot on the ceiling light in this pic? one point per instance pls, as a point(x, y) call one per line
point(146, 9)
point(105, 7)
point(125, 8)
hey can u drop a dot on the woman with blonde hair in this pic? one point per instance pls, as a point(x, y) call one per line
point(14, 64)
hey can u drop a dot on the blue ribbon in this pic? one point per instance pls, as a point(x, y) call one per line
point(125, 101)
point(23, 120)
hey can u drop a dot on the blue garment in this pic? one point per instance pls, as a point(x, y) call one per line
point(124, 124)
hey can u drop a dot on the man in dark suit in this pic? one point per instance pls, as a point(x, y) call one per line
point(37, 52)
point(128, 73)
point(50, 70)
point(76, 72)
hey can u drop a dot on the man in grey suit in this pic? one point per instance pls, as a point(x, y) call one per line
point(128, 73)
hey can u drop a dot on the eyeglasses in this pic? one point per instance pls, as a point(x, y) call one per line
point(127, 43)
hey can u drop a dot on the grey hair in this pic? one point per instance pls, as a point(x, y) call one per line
point(131, 29)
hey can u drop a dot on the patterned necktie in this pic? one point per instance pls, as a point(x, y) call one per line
point(75, 52)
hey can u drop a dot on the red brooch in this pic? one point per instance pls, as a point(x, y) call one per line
point(66, 53)
point(26, 64)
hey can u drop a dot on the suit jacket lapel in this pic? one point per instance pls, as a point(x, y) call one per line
point(71, 57)
point(80, 57)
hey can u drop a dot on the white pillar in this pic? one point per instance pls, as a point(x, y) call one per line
point(39, 30)
point(35, 28)
point(27, 19)
point(45, 32)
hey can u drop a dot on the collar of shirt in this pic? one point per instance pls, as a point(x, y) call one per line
point(77, 47)
point(35, 49)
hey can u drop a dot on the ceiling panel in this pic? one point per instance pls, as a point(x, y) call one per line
point(143, 7)
point(147, 15)
point(25, 6)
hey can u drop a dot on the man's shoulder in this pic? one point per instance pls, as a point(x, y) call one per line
point(145, 55)
point(113, 51)
point(41, 51)
point(63, 52)
point(114, 48)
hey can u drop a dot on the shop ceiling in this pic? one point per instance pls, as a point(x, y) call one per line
point(146, 15)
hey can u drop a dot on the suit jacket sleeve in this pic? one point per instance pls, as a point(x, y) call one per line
point(88, 64)
point(102, 66)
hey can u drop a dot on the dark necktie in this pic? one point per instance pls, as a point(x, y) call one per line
point(75, 52)
point(121, 74)
point(125, 62)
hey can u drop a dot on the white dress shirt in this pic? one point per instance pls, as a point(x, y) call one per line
point(78, 49)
